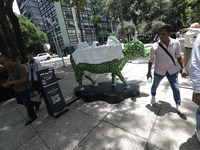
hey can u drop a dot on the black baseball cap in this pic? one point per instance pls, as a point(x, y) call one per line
point(167, 27)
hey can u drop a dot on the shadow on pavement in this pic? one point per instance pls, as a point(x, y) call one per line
point(159, 104)
point(191, 143)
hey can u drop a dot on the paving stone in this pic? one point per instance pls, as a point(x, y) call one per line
point(35, 143)
point(13, 136)
point(97, 109)
point(170, 131)
point(109, 137)
point(133, 117)
point(68, 131)
point(9, 115)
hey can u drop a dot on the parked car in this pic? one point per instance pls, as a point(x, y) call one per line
point(43, 56)
point(54, 55)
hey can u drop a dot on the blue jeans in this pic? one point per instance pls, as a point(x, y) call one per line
point(173, 80)
point(198, 118)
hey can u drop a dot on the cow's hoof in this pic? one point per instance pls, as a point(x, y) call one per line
point(96, 84)
point(127, 87)
point(82, 88)
point(114, 84)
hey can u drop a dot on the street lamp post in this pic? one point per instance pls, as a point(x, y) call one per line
point(112, 24)
point(101, 31)
point(56, 40)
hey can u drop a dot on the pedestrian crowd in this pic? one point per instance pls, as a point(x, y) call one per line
point(24, 80)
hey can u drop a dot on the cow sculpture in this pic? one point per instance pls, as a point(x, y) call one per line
point(131, 51)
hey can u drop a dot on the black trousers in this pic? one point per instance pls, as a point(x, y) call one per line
point(23, 98)
point(36, 86)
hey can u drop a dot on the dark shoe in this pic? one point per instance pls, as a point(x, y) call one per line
point(37, 106)
point(30, 121)
point(32, 95)
point(41, 96)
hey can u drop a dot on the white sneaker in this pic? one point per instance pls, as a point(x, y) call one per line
point(179, 109)
point(153, 100)
point(198, 135)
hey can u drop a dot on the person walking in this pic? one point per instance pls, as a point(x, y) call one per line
point(20, 60)
point(164, 52)
point(34, 66)
point(194, 70)
point(190, 37)
point(18, 78)
point(156, 38)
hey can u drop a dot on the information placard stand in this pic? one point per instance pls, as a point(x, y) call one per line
point(53, 97)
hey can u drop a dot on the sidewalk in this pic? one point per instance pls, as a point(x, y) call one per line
point(132, 124)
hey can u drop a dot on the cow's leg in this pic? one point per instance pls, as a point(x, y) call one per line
point(79, 79)
point(89, 78)
point(119, 74)
point(113, 79)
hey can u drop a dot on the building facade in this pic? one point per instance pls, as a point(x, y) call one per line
point(60, 23)
point(30, 9)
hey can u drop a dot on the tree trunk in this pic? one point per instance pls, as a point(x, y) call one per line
point(7, 31)
point(79, 22)
point(17, 31)
point(121, 19)
point(4, 49)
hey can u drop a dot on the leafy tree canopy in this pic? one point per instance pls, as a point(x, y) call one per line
point(129, 30)
point(34, 39)
point(153, 11)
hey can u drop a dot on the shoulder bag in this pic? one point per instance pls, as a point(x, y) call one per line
point(167, 52)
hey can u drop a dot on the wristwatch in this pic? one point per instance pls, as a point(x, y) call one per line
point(183, 69)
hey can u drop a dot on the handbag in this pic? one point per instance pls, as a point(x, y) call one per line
point(167, 52)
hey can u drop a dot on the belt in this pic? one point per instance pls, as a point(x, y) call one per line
point(188, 47)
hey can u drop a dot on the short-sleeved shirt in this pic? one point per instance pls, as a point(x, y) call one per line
point(163, 63)
point(15, 73)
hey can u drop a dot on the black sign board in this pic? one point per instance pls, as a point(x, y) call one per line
point(54, 100)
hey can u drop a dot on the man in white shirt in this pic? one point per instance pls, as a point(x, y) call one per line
point(165, 64)
point(194, 70)
point(190, 37)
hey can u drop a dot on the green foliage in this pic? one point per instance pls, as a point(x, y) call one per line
point(34, 39)
point(149, 27)
point(97, 9)
point(129, 29)
point(193, 12)
point(147, 14)
point(111, 8)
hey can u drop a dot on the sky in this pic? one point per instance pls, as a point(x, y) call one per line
point(15, 7)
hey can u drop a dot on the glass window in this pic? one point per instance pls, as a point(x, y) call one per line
point(88, 32)
point(70, 24)
point(68, 15)
point(71, 32)
point(73, 39)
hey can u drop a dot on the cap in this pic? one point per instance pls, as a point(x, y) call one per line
point(167, 27)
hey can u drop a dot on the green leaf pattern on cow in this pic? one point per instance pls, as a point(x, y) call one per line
point(131, 51)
